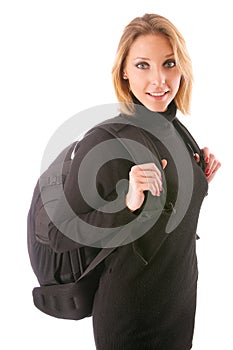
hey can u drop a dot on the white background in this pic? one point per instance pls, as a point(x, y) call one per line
point(56, 59)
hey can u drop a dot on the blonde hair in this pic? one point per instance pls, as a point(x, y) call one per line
point(153, 24)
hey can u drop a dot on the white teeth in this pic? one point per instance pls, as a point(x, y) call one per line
point(158, 93)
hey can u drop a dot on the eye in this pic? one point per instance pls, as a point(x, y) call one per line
point(170, 64)
point(142, 65)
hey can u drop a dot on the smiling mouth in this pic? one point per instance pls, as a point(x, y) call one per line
point(157, 94)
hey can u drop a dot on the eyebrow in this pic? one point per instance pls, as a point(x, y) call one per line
point(148, 59)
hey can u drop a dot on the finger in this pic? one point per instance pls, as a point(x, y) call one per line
point(148, 181)
point(215, 165)
point(154, 174)
point(164, 163)
point(210, 163)
point(146, 166)
point(206, 154)
point(144, 180)
point(154, 188)
point(145, 176)
point(212, 175)
point(197, 157)
point(150, 167)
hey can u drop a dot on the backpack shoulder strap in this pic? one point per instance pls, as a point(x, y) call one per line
point(103, 254)
point(190, 141)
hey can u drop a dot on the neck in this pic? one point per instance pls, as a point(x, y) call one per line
point(169, 114)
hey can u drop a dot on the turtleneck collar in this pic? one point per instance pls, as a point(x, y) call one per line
point(160, 124)
point(169, 114)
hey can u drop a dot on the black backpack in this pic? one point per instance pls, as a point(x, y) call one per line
point(68, 279)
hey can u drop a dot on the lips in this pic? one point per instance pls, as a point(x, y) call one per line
point(157, 94)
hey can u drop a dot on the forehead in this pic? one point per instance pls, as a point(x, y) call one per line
point(151, 45)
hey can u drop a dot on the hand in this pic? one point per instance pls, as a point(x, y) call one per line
point(212, 163)
point(143, 177)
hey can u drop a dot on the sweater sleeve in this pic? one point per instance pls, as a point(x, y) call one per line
point(94, 212)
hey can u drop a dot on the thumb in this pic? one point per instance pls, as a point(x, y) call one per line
point(197, 157)
point(164, 163)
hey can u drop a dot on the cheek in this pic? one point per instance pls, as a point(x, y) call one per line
point(176, 81)
point(135, 83)
point(138, 81)
point(136, 77)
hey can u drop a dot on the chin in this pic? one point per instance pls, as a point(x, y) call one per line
point(158, 109)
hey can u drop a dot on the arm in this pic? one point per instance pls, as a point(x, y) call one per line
point(90, 189)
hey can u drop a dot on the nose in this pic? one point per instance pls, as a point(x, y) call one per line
point(157, 76)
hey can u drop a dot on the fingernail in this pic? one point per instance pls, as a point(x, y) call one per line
point(207, 172)
point(207, 159)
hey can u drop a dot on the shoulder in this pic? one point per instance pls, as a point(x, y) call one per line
point(112, 125)
point(109, 128)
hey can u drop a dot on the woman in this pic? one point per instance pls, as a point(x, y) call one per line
point(146, 297)
point(147, 293)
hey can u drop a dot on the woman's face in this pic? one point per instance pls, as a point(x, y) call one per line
point(152, 72)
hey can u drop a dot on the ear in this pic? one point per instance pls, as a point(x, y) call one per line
point(125, 76)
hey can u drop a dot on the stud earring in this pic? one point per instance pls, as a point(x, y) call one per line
point(125, 76)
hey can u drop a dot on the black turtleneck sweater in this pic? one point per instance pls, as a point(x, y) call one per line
point(147, 293)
